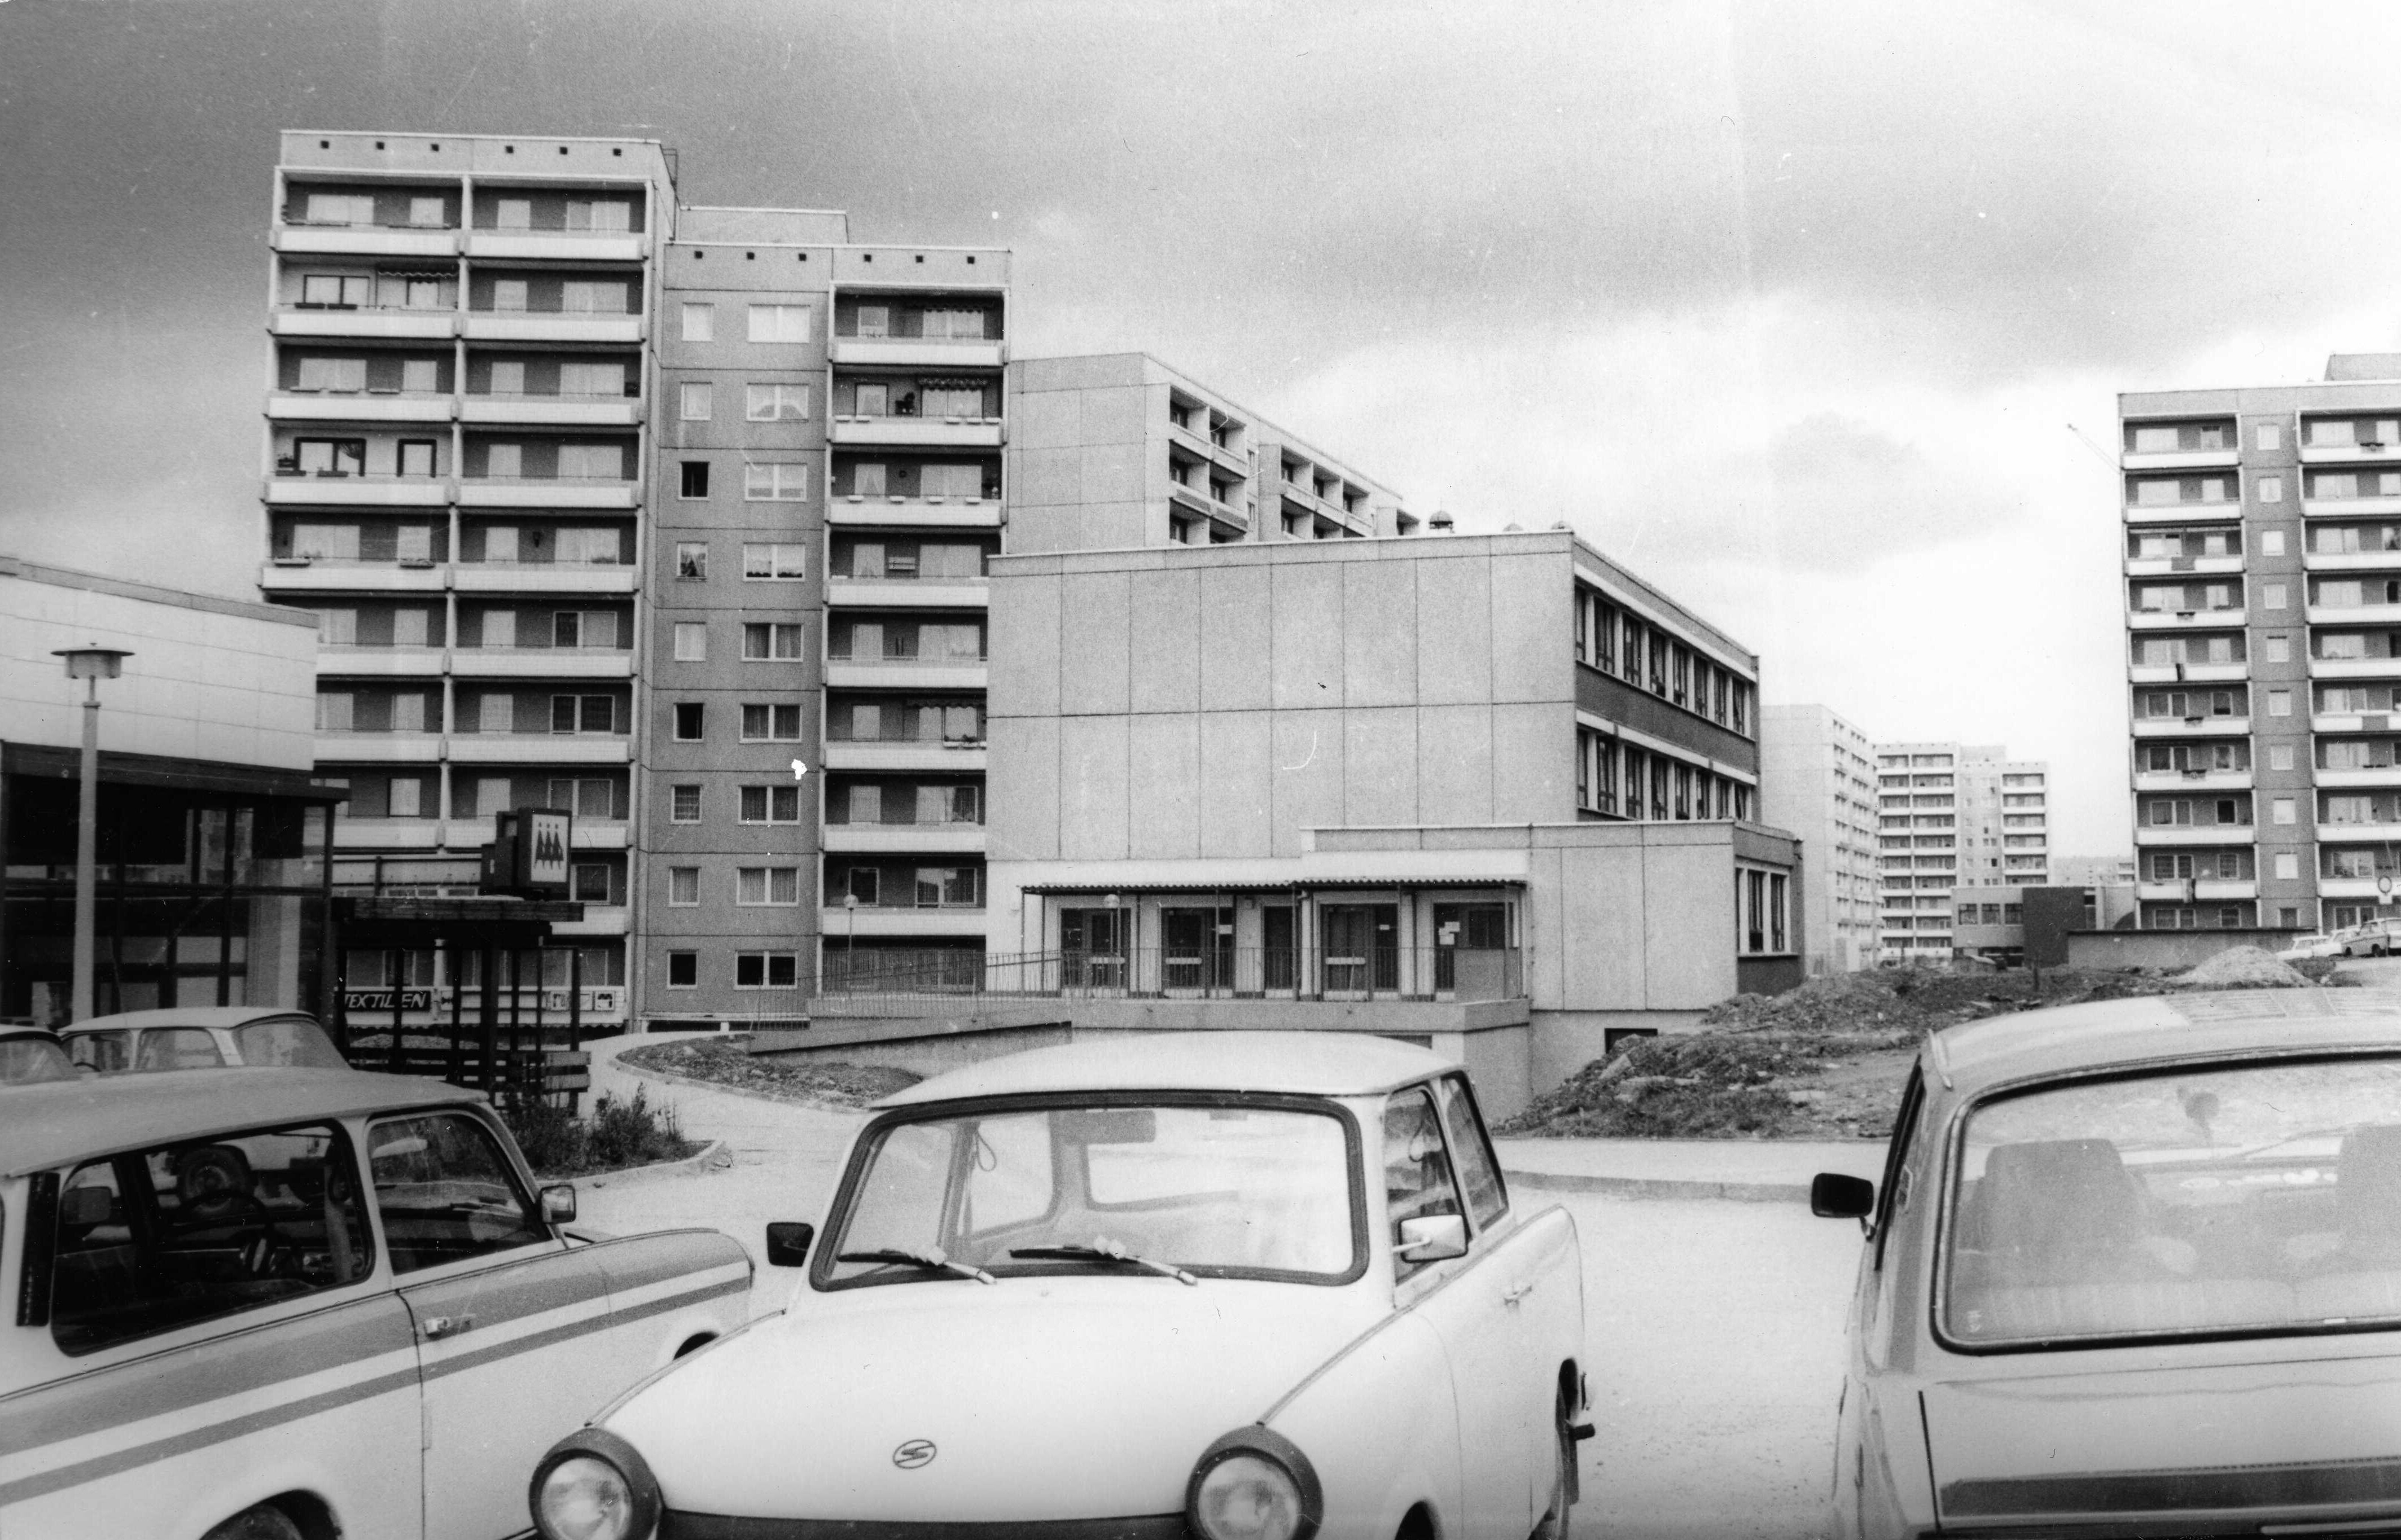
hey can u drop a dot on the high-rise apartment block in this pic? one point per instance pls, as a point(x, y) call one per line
point(1953, 815)
point(1817, 779)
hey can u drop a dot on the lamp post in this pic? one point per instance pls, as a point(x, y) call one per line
point(90, 665)
point(850, 941)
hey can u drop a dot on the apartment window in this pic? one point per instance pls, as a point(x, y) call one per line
point(603, 380)
point(583, 714)
point(2280, 756)
point(582, 297)
point(692, 642)
point(2273, 596)
point(583, 628)
point(769, 723)
point(339, 375)
point(688, 717)
point(685, 804)
point(600, 215)
point(694, 479)
point(785, 562)
point(776, 402)
point(778, 886)
point(329, 456)
point(774, 481)
point(335, 292)
point(691, 560)
point(588, 883)
point(779, 324)
point(591, 462)
point(2272, 542)
point(699, 322)
point(683, 969)
point(504, 461)
point(947, 887)
point(766, 970)
point(2289, 866)
point(510, 294)
point(694, 397)
point(2268, 435)
point(2280, 650)
point(867, 479)
point(771, 642)
point(513, 213)
point(771, 804)
point(2283, 810)
point(2280, 702)
point(875, 321)
point(2272, 489)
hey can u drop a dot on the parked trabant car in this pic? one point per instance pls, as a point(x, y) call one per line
point(30, 1054)
point(1228, 1285)
point(2134, 1268)
point(201, 1037)
point(259, 1304)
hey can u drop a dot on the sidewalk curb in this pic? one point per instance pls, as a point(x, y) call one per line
point(708, 1159)
point(1659, 1187)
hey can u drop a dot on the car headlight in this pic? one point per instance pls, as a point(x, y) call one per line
point(593, 1486)
point(1253, 1484)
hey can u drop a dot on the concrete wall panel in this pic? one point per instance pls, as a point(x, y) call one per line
point(1688, 924)
point(1533, 764)
point(1236, 784)
point(1380, 635)
point(1093, 793)
point(1306, 754)
point(1454, 601)
point(1166, 653)
point(1045, 420)
point(1533, 628)
point(1605, 965)
point(1235, 625)
point(1022, 679)
point(1380, 754)
point(1024, 752)
point(1095, 641)
point(1116, 416)
point(1112, 472)
point(1306, 648)
point(1163, 802)
point(1455, 764)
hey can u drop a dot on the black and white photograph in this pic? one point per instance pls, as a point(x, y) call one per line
point(1199, 770)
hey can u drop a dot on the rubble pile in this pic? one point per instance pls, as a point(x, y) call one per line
point(725, 1060)
point(2242, 968)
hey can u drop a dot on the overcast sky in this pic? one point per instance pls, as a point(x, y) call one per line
point(1812, 313)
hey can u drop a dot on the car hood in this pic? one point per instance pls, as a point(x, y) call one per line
point(1043, 1398)
point(2259, 1441)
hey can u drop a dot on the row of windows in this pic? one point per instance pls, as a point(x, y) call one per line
point(763, 401)
point(765, 562)
point(754, 887)
point(773, 803)
point(762, 481)
point(751, 970)
point(1762, 902)
point(1618, 642)
point(1630, 783)
point(763, 641)
point(762, 722)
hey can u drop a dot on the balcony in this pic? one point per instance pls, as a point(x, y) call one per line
point(2228, 511)
point(2196, 890)
point(892, 512)
point(917, 432)
point(551, 326)
point(542, 578)
point(601, 834)
point(617, 411)
point(2330, 508)
point(2366, 775)
point(2351, 561)
point(371, 662)
point(2192, 779)
point(1193, 500)
point(365, 321)
point(2182, 459)
point(378, 748)
point(316, 575)
point(2194, 834)
point(539, 748)
point(599, 920)
point(2161, 566)
point(399, 240)
point(2183, 620)
point(2192, 727)
point(381, 406)
point(2354, 668)
point(904, 839)
point(2202, 674)
point(2360, 721)
point(874, 921)
point(548, 492)
point(2370, 452)
point(907, 593)
point(1232, 461)
point(2354, 887)
point(542, 662)
point(937, 353)
point(558, 245)
point(2354, 615)
point(1301, 500)
point(292, 489)
point(904, 673)
point(387, 833)
point(1239, 975)
point(2359, 833)
point(908, 754)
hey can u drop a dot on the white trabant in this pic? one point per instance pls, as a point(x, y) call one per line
point(201, 1037)
point(1221, 1285)
point(2134, 1269)
point(265, 1304)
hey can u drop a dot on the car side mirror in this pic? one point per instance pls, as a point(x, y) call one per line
point(1432, 1238)
point(558, 1203)
point(788, 1243)
point(1835, 1196)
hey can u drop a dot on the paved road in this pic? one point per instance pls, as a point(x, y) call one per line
point(1715, 1327)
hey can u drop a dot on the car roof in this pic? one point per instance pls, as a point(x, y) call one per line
point(1314, 1064)
point(188, 1016)
point(2106, 1034)
point(51, 1122)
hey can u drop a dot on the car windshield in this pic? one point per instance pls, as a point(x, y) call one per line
point(26, 1059)
point(1226, 1188)
point(293, 1042)
point(2254, 1199)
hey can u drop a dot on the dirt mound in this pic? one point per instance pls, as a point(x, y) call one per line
point(2242, 968)
point(726, 1061)
point(1920, 999)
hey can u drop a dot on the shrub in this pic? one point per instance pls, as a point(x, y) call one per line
point(618, 1134)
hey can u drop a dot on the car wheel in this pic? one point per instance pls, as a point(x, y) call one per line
point(264, 1523)
point(1554, 1523)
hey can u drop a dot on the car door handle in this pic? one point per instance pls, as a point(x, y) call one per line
point(446, 1326)
point(1511, 1295)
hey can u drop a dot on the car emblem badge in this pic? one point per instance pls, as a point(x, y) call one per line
point(915, 1452)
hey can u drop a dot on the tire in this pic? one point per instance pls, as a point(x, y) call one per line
point(1554, 1522)
point(264, 1523)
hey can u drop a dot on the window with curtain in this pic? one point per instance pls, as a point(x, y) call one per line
point(592, 461)
point(777, 403)
point(867, 479)
point(509, 293)
point(605, 379)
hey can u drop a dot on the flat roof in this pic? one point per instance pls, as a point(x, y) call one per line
point(101, 582)
point(2129, 1032)
point(1309, 1064)
point(53, 1123)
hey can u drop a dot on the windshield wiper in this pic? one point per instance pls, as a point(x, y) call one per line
point(933, 1258)
point(1103, 1252)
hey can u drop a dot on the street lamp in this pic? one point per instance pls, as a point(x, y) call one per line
point(850, 941)
point(90, 665)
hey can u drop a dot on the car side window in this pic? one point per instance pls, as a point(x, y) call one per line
point(290, 1044)
point(162, 1238)
point(106, 1051)
point(177, 1048)
point(445, 1193)
point(1418, 1180)
point(1479, 1170)
point(1904, 1127)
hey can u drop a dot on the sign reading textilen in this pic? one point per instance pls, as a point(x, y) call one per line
point(380, 1000)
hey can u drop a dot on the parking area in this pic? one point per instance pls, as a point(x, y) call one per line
point(1715, 1327)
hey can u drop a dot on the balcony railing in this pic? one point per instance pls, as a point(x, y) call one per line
point(1193, 973)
